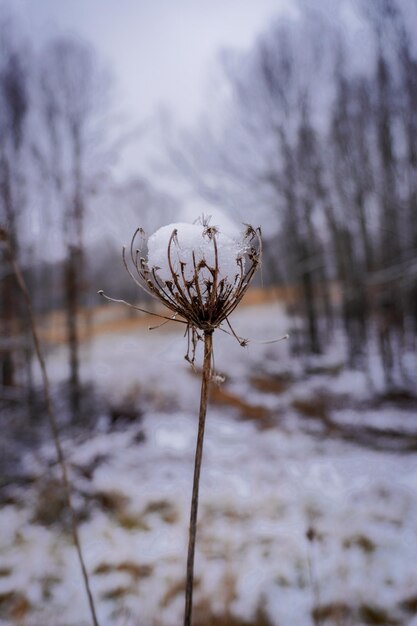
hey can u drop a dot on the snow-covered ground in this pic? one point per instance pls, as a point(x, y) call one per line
point(279, 460)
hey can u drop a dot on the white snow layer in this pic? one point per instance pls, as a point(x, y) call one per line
point(261, 489)
point(191, 239)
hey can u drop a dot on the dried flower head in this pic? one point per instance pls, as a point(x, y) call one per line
point(196, 271)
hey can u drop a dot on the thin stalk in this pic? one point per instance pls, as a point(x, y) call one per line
point(54, 426)
point(205, 382)
point(314, 582)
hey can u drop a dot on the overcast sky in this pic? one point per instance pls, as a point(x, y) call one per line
point(160, 51)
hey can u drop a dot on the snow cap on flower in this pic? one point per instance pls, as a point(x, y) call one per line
point(200, 271)
point(196, 271)
point(194, 247)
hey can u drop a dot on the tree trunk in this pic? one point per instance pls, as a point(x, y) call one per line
point(71, 300)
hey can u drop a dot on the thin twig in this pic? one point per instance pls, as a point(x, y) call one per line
point(203, 300)
point(53, 423)
point(133, 306)
point(314, 582)
point(206, 376)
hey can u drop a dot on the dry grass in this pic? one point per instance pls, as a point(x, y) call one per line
point(14, 607)
point(50, 503)
point(117, 593)
point(177, 588)
point(129, 567)
point(204, 617)
point(220, 395)
point(103, 319)
point(360, 541)
point(316, 406)
point(277, 383)
point(166, 510)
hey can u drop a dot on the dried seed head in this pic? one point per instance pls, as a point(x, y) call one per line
point(199, 272)
point(196, 271)
point(192, 246)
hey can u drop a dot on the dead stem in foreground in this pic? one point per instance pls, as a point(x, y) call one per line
point(205, 385)
point(52, 421)
point(201, 296)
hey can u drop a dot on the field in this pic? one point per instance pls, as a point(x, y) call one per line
point(308, 511)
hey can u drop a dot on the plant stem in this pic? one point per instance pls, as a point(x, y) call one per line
point(205, 382)
point(53, 424)
point(314, 582)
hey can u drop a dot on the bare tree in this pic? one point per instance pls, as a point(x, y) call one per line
point(14, 107)
point(72, 156)
point(326, 148)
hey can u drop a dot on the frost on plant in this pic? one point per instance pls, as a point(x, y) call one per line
point(196, 271)
point(194, 246)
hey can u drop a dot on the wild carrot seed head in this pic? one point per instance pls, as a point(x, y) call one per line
point(198, 272)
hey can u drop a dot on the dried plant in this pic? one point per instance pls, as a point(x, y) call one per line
point(201, 278)
point(311, 536)
point(202, 302)
point(53, 422)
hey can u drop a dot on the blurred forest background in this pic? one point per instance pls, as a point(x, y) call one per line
point(313, 134)
point(310, 132)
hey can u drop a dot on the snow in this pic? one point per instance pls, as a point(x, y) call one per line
point(191, 238)
point(263, 485)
